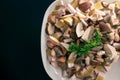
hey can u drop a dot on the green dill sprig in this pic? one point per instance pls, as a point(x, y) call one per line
point(94, 42)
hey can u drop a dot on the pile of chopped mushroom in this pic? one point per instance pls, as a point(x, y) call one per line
point(76, 23)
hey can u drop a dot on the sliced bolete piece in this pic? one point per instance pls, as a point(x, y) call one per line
point(85, 6)
point(107, 68)
point(57, 35)
point(75, 3)
point(52, 18)
point(54, 39)
point(110, 50)
point(88, 33)
point(71, 59)
point(61, 59)
point(79, 30)
point(105, 4)
point(106, 27)
point(111, 36)
point(100, 76)
point(50, 29)
point(117, 5)
point(99, 69)
point(48, 53)
point(70, 72)
point(62, 65)
point(98, 5)
point(100, 53)
point(85, 72)
point(50, 43)
point(68, 21)
point(117, 37)
point(117, 46)
point(114, 21)
point(60, 24)
point(98, 48)
point(68, 40)
point(66, 33)
point(58, 51)
point(76, 20)
point(65, 45)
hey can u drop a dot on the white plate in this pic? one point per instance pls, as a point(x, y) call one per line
point(55, 74)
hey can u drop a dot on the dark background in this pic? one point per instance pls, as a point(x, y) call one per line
point(20, 27)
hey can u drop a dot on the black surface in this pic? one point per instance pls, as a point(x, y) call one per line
point(20, 27)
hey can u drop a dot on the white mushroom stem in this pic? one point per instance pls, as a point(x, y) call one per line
point(110, 50)
point(71, 9)
point(79, 30)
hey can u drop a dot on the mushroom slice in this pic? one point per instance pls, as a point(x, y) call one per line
point(109, 28)
point(114, 21)
point(68, 40)
point(100, 76)
point(98, 48)
point(85, 6)
point(73, 77)
point(60, 24)
point(98, 5)
point(105, 4)
point(88, 33)
point(111, 36)
point(70, 72)
point(75, 3)
point(76, 20)
point(54, 39)
point(79, 30)
point(77, 67)
point(50, 29)
point(52, 18)
point(65, 45)
point(87, 60)
point(111, 6)
point(107, 68)
point(58, 51)
point(68, 20)
point(71, 59)
point(110, 50)
point(57, 35)
point(106, 27)
point(62, 65)
point(85, 72)
point(117, 37)
point(99, 69)
point(61, 59)
point(66, 33)
point(117, 46)
point(50, 44)
point(90, 70)
point(53, 54)
point(48, 53)
point(117, 5)
point(100, 53)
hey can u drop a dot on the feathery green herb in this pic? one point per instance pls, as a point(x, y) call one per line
point(94, 42)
